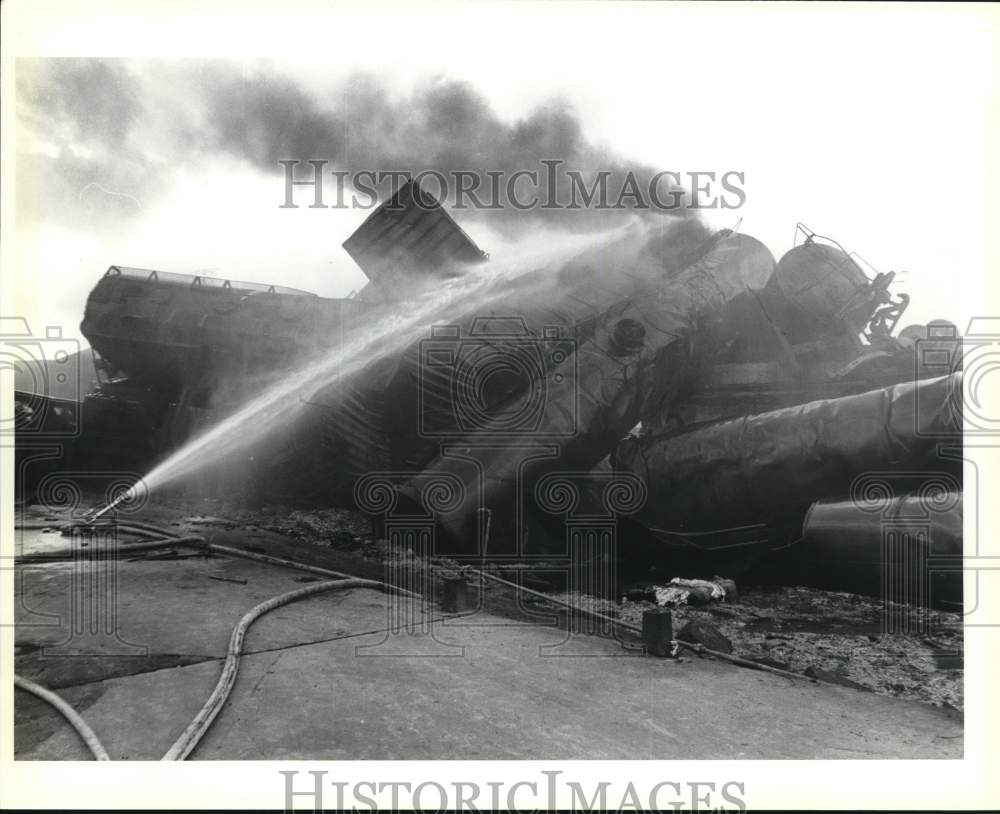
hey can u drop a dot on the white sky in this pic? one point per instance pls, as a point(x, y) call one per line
point(870, 124)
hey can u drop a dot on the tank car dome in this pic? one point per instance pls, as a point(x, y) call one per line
point(755, 260)
point(819, 279)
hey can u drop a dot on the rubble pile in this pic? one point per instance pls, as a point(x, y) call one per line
point(833, 636)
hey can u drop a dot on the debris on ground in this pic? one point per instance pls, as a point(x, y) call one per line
point(838, 637)
point(697, 631)
point(691, 592)
point(729, 588)
point(835, 637)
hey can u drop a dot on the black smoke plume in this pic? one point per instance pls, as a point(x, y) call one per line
point(116, 129)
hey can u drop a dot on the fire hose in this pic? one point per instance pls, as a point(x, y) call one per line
point(196, 730)
point(62, 554)
point(200, 724)
point(70, 714)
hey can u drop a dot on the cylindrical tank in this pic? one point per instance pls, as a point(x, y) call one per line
point(905, 549)
point(819, 281)
point(625, 354)
point(769, 467)
point(171, 332)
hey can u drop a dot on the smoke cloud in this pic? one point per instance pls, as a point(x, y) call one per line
point(105, 136)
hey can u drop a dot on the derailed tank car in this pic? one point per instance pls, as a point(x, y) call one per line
point(632, 363)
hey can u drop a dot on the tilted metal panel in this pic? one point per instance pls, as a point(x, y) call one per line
point(410, 233)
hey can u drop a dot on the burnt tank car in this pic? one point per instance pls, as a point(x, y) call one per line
point(173, 351)
point(170, 333)
point(660, 338)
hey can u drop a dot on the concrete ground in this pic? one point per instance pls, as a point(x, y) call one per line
point(322, 679)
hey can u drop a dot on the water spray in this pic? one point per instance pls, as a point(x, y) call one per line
point(284, 400)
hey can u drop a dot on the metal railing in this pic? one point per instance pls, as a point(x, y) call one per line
point(201, 281)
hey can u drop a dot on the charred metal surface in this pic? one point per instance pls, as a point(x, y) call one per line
point(177, 334)
point(410, 236)
point(725, 390)
point(613, 389)
point(906, 549)
point(770, 467)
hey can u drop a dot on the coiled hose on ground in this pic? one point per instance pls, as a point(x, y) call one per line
point(200, 724)
point(70, 714)
point(195, 731)
point(63, 554)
